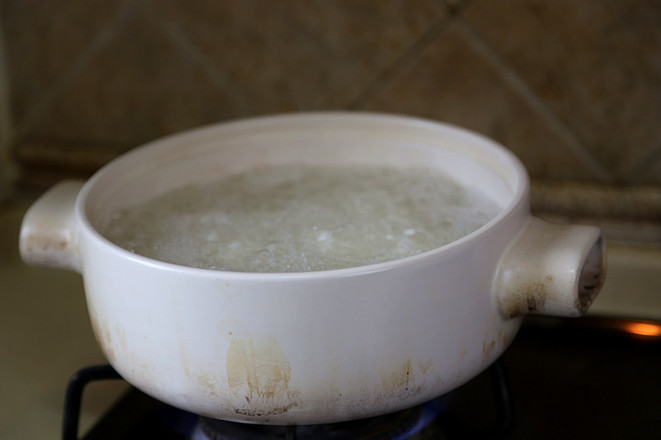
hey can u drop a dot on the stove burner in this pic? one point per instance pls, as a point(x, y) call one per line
point(138, 416)
point(397, 426)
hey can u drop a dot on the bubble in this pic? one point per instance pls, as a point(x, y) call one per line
point(300, 218)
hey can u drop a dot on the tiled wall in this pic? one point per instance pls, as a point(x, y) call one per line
point(572, 87)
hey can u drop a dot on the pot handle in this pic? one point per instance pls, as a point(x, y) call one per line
point(551, 269)
point(48, 234)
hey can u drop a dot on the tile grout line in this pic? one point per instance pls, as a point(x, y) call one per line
point(101, 39)
point(7, 167)
point(176, 37)
point(5, 109)
point(519, 85)
point(389, 74)
point(645, 166)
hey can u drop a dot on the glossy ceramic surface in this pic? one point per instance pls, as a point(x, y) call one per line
point(313, 347)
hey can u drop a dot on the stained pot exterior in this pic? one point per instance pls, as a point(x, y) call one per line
point(315, 347)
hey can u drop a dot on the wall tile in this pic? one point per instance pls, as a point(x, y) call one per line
point(651, 172)
point(597, 65)
point(138, 87)
point(43, 40)
point(573, 88)
point(453, 82)
point(300, 55)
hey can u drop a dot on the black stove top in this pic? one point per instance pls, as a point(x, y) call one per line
point(561, 378)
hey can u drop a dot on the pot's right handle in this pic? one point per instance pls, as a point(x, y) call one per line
point(49, 231)
point(551, 269)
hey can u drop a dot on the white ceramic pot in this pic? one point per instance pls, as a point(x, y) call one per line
point(313, 347)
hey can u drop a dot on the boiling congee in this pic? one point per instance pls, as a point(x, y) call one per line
point(303, 218)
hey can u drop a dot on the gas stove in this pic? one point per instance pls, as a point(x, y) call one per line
point(138, 416)
point(561, 378)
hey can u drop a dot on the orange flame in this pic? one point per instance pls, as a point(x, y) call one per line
point(644, 329)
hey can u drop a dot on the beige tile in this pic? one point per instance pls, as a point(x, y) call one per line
point(452, 81)
point(597, 65)
point(294, 55)
point(648, 169)
point(140, 86)
point(651, 174)
point(43, 40)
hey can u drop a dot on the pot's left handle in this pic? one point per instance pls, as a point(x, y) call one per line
point(49, 230)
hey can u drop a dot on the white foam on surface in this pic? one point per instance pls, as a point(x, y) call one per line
point(303, 218)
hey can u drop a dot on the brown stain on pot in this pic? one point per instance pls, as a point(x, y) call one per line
point(506, 335)
point(104, 337)
point(536, 296)
point(207, 383)
point(399, 377)
point(45, 250)
point(403, 379)
point(121, 337)
point(488, 347)
point(423, 366)
point(529, 299)
point(257, 368)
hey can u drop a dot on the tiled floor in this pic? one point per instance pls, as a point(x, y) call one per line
point(45, 334)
